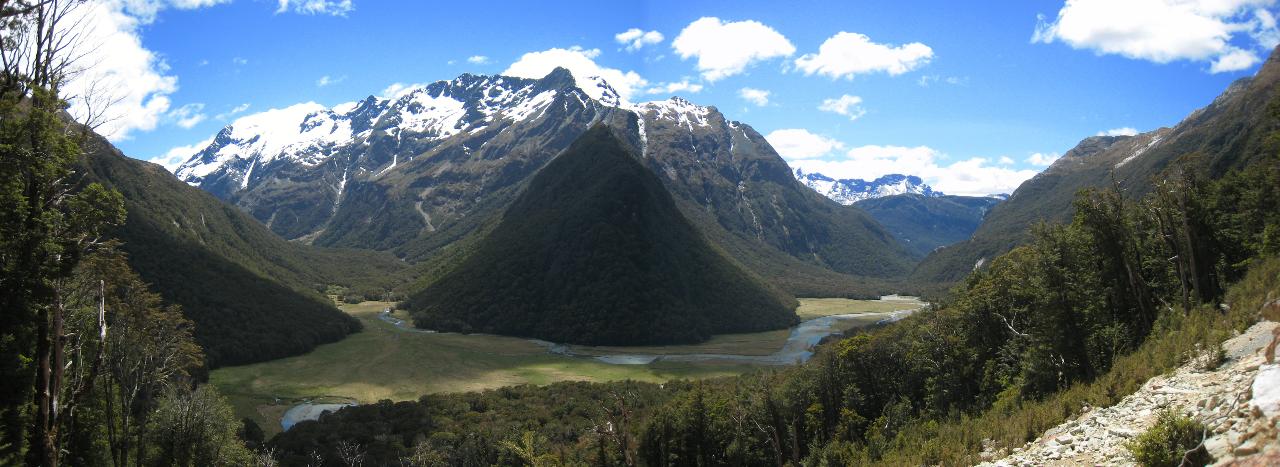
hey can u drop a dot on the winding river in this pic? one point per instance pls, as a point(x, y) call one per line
point(798, 348)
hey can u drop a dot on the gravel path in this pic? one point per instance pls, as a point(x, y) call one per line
point(1224, 399)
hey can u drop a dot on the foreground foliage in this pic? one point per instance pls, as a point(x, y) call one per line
point(1173, 440)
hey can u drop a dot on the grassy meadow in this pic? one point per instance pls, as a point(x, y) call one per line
point(385, 362)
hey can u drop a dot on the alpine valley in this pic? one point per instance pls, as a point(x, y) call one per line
point(548, 270)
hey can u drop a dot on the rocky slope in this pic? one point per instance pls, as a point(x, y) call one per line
point(1238, 401)
point(1229, 133)
point(418, 171)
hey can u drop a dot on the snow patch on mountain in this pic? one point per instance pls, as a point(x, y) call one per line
point(681, 111)
point(851, 190)
point(309, 133)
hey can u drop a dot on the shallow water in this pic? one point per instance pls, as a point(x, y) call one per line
point(308, 411)
point(797, 349)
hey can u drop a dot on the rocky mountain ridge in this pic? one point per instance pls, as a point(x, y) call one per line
point(848, 191)
point(418, 171)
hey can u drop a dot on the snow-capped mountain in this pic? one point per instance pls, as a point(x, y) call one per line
point(413, 172)
point(851, 190)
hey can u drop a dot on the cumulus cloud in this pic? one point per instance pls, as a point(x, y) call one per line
point(478, 60)
point(122, 86)
point(581, 63)
point(798, 143)
point(316, 7)
point(234, 110)
point(849, 106)
point(635, 38)
point(1123, 131)
point(188, 115)
point(759, 97)
point(1163, 31)
point(1043, 159)
point(1006, 160)
point(174, 157)
point(725, 49)
point(675, 87)
point(971, 177)
point(848, 54)
point(394, 90)
point(327, 80)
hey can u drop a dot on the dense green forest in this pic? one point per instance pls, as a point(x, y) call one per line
point(95, 367)
point(1082, 315)
point(594, 251)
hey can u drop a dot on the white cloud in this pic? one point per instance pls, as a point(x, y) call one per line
point(1043, 159)
point(146, 10)
point(478, 60)
point(316, 7)
point(755, 96)
point(177, 155)
point(581, 63)
point(928, 80)
point(394, 90)
point(1163, 31)
point(796, 143)
point(122, 86)
point(675, 87)
point(972, 177)
point(848, 54)
point(239, 61)
point(234, 110)
point(725, 49)
point(327, 80)
point(188, 115)
point(635, 38)
point(1006, 160)
point(1234, 60)
point(849, 106)
point(1123, 131)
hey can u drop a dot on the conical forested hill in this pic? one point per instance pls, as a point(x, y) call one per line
point(595, 251)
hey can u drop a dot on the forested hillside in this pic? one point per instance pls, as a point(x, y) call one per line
point(251, 295)
point(595, 251)
point(1230, 133)
point(95, 367)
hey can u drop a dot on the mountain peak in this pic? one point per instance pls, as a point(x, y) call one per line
point(851, 190)
point(595, 218)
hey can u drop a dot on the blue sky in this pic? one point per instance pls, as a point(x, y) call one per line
point(973, 96)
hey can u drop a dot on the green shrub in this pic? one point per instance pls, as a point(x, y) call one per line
point(1173, 438)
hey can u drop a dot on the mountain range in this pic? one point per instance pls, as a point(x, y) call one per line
point(418, 171)
point(848, 191)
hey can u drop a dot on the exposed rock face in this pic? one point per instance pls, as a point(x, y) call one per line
point(1227, 400)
